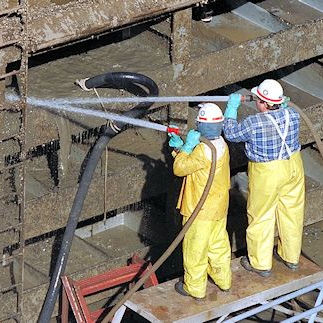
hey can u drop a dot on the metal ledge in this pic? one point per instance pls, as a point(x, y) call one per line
point(162, 304)
point(62, 24)
point(246, 60)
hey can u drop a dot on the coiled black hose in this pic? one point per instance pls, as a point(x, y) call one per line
point(132, 82)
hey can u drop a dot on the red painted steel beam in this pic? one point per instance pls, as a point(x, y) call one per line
point(80, 296)
point(107, 280)
point(72, 298)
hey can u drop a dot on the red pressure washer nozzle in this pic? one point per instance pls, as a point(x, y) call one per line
point(174, 130)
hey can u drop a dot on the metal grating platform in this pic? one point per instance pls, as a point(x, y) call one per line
point(162, 304)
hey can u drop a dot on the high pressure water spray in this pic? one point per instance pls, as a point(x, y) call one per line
point(65, 106)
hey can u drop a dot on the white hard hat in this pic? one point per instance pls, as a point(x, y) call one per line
point(269, 91)
point(209, 112)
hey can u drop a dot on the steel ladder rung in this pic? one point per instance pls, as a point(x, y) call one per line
point(11, 228)
point(15, 72)
point(11, 11)
point(9, 288)
point(11, 43)
point(18, 164)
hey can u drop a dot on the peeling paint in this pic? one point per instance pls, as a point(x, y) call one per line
point(50, 33)
point(178, 68)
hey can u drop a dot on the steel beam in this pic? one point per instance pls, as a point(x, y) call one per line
point(62, 24)
point(180, 54)
point(181, 36)
point(246, 60)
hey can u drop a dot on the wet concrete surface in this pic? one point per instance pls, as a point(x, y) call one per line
point(313, 242)
point(292, 11)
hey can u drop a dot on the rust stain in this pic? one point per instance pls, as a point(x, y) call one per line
point(161, 312)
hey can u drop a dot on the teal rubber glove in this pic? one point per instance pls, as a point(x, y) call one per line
point(192, 140)
point(284, 105)
point(175, 141)
point(234, 102)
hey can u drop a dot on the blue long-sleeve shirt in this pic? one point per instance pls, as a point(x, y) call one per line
point(262, 141)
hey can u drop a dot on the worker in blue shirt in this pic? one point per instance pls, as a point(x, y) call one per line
point(276, 189)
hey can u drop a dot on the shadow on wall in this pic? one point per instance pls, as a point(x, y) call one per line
point(237, 220)
point(160, 173)
point(163, 220)
point(237, 215)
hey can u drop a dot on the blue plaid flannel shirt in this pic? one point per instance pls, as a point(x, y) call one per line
point(262, 141)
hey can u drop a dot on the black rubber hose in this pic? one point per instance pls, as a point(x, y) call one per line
point(132, 82)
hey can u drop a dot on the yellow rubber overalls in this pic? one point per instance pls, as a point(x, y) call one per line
point(276, 193)
point(206, 246)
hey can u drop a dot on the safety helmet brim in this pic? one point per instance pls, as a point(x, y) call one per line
point(214, 120)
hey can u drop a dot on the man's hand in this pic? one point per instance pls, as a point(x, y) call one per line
point(284, 104)
point(175, 141)
point(233, 105)
point(192, 140)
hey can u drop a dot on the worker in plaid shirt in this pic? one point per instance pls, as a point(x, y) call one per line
point(276, 192)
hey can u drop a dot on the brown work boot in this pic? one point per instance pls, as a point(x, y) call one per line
point(179, 287)
point(244, 261)
point(289, 265)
